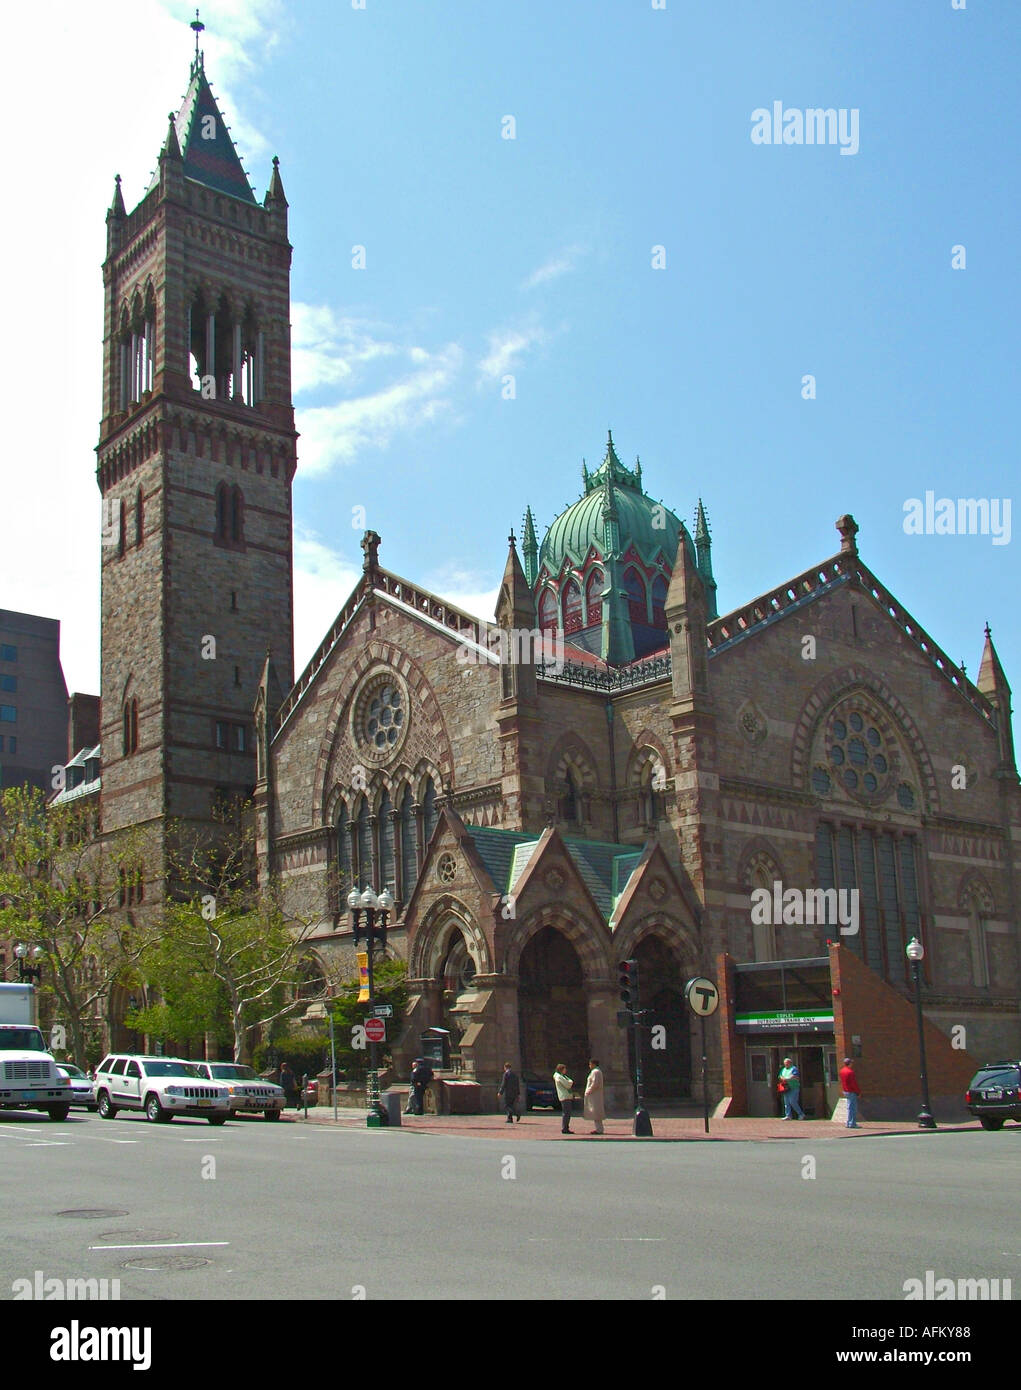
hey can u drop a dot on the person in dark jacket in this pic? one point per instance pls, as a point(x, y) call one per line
point(289, 1083)
point(510, 1089)
point(421, 1075)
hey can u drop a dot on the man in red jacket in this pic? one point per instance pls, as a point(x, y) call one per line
point(851, 1089)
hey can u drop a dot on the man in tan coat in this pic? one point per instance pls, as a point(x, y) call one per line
point(595, 1108)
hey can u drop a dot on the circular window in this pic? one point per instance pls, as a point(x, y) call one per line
point(446, 868)
point(868, 764)
point(821, 783)
point(379, 717)
point(906, 796)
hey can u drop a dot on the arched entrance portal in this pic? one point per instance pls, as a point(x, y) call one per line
point(666, 1071)
point(552, 1011)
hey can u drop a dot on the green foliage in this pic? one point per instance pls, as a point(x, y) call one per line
point(390, 987)
point(303, 1051)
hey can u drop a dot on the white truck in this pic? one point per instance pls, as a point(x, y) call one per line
point(29, 1079)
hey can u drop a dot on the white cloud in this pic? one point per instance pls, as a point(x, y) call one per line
point(553, 269)
point(327, 348)
point(337, 434)
point(323, 580)
point(505, 346)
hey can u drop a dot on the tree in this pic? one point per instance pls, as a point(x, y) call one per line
point(218, 924)
point(76, 897)
point(390, 988)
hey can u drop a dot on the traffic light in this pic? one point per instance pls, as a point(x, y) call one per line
point(629, 983)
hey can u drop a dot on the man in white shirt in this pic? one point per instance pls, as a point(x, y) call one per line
point(564, 1086)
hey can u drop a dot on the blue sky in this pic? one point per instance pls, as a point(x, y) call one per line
point(533, 256)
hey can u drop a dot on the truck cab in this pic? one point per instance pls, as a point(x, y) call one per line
point(29, 1079)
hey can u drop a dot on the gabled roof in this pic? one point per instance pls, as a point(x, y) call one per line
point(604, 868)
point(207, 149)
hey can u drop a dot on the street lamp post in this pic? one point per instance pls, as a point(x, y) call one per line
point(375, 910)
point(28, 972)
point(916, 954)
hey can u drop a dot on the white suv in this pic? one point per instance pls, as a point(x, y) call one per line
point(161, 1086)
point(249, 1094)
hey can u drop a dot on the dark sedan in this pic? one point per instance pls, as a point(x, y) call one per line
point(539, 1094)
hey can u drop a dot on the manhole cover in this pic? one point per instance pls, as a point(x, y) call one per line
point(138, 1237)
point(155, 1262)
point(93, 1213)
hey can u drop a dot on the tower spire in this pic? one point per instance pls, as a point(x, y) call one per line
point(198, 26)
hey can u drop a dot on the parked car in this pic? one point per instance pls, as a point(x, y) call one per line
point(994, 1094)
point(161, 1086)
point(539, 1093)
point(249, 1093)
point(83, 1088)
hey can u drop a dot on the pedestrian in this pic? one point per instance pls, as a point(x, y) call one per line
point(564, 1086)
point(510, 1089)
point(289, 1084)
point(595, 1108)
point(421, 1075)
point(789, 1086)
point(851, 1089)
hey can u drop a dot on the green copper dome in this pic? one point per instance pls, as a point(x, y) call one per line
point(613, 515)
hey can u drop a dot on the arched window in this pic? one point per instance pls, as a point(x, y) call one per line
point(763, 933)
point(572, 607)
point(594, 598)
point(130, 729)
point(237, 515)
point(121, 523)
point(222, 532)
point(634, 586)
point(139, 517)
point(659, 591)
point(409, 846)
point(363, 840)
point(386, 844)
point(429, 811)
point(569, 803)
point(548, 610)
point(344, 847)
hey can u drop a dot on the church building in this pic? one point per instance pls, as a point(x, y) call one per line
point(776, 797)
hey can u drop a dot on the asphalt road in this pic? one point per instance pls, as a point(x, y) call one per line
point(313, 1212)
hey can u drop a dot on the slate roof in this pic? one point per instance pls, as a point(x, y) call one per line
point(604, 867)
point(213, 162)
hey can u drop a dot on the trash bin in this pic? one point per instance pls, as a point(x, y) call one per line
point(392, 1102)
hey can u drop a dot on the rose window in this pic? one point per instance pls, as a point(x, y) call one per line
point(384, 717)
point(858, 757)
point(380, 718)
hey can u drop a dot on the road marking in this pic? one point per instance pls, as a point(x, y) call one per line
point(50, 1144)
point(163, 1245)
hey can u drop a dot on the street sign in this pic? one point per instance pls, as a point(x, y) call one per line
point(375, 1030)
point(702, 995)
point(381, 1011)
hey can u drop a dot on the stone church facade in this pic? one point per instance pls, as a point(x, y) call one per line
point(607, 772)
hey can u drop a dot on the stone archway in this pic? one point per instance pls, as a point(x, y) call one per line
point(667, 1069)
point(552, 1006)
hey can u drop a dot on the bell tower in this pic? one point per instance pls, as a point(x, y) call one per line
point(196, 458)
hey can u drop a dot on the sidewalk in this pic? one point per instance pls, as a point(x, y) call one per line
point(542, 1124)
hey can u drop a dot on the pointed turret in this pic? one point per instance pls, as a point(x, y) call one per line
point(686, 616)
point(993, 684)
point(117, 205)
point(275, 193)
point(703, 553)
point(515, 617)
point(530, 548)
point(171, 145)
point(515, 606)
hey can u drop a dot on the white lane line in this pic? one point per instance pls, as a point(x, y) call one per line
point(163, 1245)
point(49, 1144)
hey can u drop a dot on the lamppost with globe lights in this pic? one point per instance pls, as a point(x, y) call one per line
point(916, 954)
point(376, 910)
point(23, 953)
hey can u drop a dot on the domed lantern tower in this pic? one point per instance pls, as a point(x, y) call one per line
point(604, 567)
